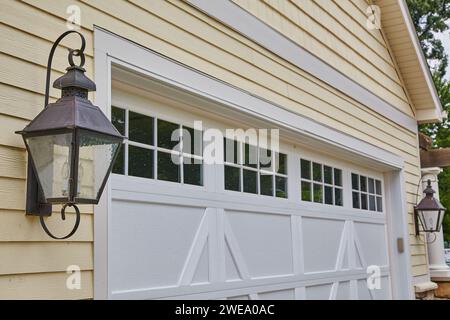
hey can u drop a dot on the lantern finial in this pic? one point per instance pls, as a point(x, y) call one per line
point(429, 191)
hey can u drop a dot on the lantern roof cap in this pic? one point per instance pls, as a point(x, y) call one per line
point(429, 202)
point(74, 77)
point(71, 112)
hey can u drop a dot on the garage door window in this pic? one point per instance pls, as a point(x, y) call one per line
point(251, 169)
point(366, 193)
point(321, 183)
point(158, 148)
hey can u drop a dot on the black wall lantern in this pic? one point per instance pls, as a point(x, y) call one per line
point(429, 211)
point(71, 145)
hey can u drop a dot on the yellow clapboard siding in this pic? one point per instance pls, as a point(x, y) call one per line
point(420, 270)
point(417, 249)
point(413, 171)
point(384, 49)
point(28, 228)
point(412, 230)
point(123, 10)
point(416, 240)
point(21, 16)
point(417, 260)
point(315, 46)
point(359, 17)
point(35, 257)
point(12, 162)
point(411, 197)
point(120, 11)
point(326, 29)
point(410, 216)
point(84, 208)
point(20, 103)
point(9, 125)
point(361, 32)
point(361, 5)
point(413, 188)
point(31, 48)
point(12, 194)
point(279, 64)
point(273, 96)
point(45, 286)
point(357, 127)
point(292, 78)
point(22, 74)
point(311, 115)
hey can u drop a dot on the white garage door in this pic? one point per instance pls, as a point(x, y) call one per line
point(308, 230)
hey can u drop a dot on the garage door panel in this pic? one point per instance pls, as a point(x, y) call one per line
point(264, 240)
point(343, 291)
point(372, 241)
point(151, 243)
point(318, 292)
point(243, 297)
point(201, 274)
point(321, 241)
point(382, 293)
point(185, 248)
point(278, 295)
point(231, 269)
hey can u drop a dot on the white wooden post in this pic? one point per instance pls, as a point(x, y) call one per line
point(439, 270)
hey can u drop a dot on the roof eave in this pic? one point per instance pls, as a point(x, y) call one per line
point(435, 114)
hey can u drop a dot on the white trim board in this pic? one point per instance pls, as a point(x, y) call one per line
point(259, 32)
point(111, 49)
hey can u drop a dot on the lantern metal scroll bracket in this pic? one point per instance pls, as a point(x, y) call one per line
point(35, 201)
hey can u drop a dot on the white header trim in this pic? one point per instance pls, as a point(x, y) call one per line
point(254, 29)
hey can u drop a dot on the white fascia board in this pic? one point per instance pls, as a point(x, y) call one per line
point(429, 116)
point(259, 32)
point(156, 66)
point(423, 63)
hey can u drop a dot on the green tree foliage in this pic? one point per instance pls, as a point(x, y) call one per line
point(431, 17)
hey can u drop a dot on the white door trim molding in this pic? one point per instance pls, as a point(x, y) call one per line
point(397, 231)
point(254, 29)
point(112, 49)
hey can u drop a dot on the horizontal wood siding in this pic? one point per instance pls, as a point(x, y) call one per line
point(179, 31)
point(48, 285)
point(319, 26)
point(33, 266)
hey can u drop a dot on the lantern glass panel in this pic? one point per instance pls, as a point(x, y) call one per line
point(441, 214)
point(51, 156)
point(430, 219)
point(96, 154)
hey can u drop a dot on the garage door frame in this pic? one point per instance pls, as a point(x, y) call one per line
point(111, 49)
